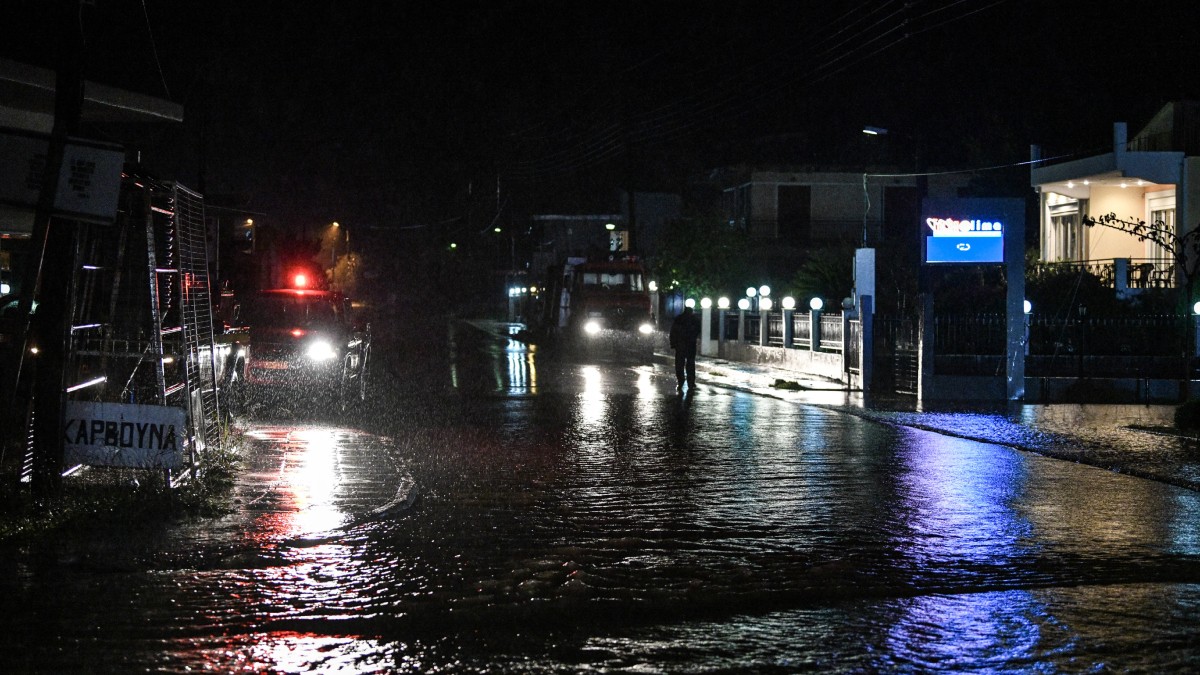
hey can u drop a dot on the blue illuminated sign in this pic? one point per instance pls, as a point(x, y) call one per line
point(963, 240)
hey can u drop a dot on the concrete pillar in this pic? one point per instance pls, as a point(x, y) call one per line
point(1014, 270)
point(788, 329)
point(814, 319)
point(925, 348)
point(764, 327)
point(708, 346)
point(866, 352)
point(1121, 276)
point(741, 335)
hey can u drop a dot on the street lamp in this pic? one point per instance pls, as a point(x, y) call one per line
point(764, 290)
point(816, 304)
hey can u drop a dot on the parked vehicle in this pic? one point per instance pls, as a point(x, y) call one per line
point(308, 341)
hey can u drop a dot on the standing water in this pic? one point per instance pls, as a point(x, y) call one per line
point(504, 512)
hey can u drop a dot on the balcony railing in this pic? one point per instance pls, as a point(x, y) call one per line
point(1122, 273)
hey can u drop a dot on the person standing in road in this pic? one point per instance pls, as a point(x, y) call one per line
point(685, 331)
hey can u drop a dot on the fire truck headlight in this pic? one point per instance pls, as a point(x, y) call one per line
point(320, 350)
point(645, 329)
point(591, 327)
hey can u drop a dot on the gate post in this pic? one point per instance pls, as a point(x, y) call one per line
point(866, 350)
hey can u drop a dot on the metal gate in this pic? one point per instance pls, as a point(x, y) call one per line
point(896, 352)
point(140, 310)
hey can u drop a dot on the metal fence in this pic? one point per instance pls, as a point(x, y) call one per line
point(1150, 346)
point(985, 335)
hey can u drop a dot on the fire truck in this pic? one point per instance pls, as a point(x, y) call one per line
point(590, 303)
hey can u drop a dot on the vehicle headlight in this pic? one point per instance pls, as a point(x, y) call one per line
point(591, 327)
point(320, 350)
point(645, 329)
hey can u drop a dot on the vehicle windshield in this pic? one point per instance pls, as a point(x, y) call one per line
point(612, 281)
point(295, 310)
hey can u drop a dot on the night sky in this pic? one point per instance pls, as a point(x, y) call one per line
point(396, 114)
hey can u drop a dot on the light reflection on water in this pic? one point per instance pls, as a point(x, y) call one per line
point(309, 479)
point(609, 524)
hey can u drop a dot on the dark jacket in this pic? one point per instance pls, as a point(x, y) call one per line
point(685, 330)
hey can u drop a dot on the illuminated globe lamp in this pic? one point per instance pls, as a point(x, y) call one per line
point(1195, 308)
point(816, 304)
point(744, 304)
point(653, 286)
point(690, 302)
point(765, 304)
point(764, 290)
point(722, 302)
point(705, 303)
point(751, 292)
point(788, 303)
point(1028, 306)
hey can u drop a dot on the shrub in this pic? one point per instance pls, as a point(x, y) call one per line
point(1187, 416)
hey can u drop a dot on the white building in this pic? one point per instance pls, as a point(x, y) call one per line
point(1153, 177)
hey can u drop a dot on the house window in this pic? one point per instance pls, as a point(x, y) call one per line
point(737, 207)
point(795, 213)
point(1161, 209)
point(1065, 240)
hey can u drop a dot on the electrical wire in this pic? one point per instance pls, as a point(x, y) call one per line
point(154, 48)
point(753, 84)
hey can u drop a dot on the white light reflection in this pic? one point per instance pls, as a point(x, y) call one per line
point(522, 371)
point(309, 478)
point(292, 652)
point(591, 401)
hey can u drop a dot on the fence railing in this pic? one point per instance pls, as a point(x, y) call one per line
point(1120, 273)
point(986, 335)
point(830, 339)
point(1150, 346)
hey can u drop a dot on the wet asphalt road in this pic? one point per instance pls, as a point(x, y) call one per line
point(496, 510)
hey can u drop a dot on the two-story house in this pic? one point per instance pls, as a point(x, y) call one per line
point(1153, 177)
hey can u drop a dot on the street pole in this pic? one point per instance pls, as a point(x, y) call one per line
point(47, 278)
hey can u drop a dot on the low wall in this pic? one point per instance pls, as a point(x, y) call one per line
point(976, 389)
point(826, 365)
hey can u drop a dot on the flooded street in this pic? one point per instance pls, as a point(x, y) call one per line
point(495, 510)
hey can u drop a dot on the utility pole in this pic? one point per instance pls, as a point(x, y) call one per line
point(48, 277)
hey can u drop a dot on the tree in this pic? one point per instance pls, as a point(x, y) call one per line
point(1184, 250)
point(701, 255)
point(828, 273)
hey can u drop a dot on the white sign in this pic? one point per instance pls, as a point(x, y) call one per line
point(124, 434)
point(88, 185)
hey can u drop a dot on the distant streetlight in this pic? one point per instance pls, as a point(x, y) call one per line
point(744, 304)
point(789, 302)
point(723, 303)
point(764, 290)
point(705, 303)
point(690, 302)
point(816, 304)
point(875, 131)
point(765, 304)
point(610, 226)
point(751, 292)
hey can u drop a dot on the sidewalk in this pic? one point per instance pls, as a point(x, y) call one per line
point(1133, 439)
